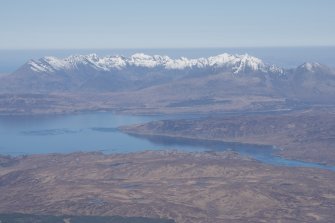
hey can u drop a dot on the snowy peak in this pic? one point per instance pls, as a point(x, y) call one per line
point(311, 67)
point(238, 63)
point(221, 73)
point(225, 62)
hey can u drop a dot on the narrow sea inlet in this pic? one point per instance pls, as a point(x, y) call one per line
point(21, 135)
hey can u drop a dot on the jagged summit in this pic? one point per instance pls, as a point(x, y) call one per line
point(311, 67)
point(229, 73)
point(233, 63)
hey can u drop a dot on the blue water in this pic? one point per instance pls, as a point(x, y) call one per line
point(70, 133)
point(98, 132)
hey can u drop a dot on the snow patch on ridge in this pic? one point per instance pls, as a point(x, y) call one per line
point(234, 63)
point(310, 66)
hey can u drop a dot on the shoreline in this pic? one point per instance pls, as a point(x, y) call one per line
point(274, 148)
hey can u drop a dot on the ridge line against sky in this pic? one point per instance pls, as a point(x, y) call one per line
point(125, 24)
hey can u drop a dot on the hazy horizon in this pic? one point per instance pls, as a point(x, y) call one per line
point(171, 24)
point(285, 33)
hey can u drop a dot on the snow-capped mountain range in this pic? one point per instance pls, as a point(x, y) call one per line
point(233, 63)
point(232, 74)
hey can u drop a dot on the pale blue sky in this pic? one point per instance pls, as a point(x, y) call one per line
point(75, 24)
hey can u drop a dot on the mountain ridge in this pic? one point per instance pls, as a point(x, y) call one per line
point(154, 81)
point(237, 63)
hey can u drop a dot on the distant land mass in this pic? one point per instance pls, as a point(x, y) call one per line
point(288, 57)
point(118, 73)
point(158, 84)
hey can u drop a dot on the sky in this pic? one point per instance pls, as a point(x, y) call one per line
point(106, 24)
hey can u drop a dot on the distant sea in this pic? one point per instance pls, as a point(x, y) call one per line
point(287, 57)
